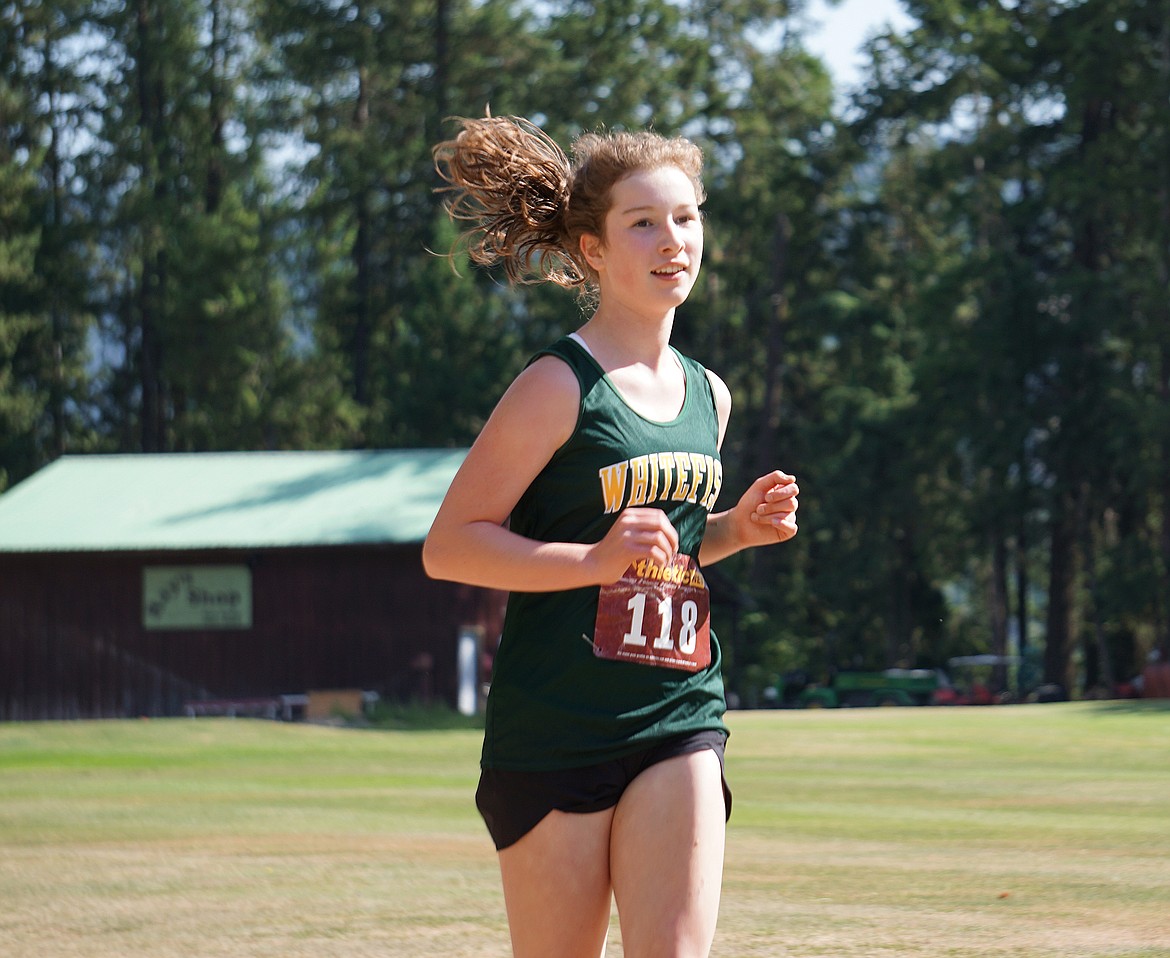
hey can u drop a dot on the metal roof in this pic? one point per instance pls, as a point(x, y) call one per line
point(232, 500)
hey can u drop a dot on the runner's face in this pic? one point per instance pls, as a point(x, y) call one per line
point(653, 243)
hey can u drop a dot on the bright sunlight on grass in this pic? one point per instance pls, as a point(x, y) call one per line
point(1026, 831)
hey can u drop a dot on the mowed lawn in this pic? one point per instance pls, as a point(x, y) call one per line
point(1027, 831)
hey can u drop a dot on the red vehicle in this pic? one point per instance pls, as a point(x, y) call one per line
point(973, 680)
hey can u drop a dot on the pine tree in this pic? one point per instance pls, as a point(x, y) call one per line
point(187, 285)
point(44, 316)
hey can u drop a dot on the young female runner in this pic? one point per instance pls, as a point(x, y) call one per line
point(589, 496)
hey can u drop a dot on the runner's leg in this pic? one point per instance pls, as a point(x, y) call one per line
point(666, 857)
point(556, 886)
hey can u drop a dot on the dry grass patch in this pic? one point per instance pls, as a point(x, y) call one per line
point(1034, 832)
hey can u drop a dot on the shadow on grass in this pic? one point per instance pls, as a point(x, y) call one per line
point(415, 716)
point(1116, 706)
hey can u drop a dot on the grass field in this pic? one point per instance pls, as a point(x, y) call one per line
point(1030, 831)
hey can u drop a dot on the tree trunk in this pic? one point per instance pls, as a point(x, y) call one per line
point(442, 69)
point(1104, 675)
point(770, 416)
point(56, 225)
point(1163, 309)
point(152, 282)
point(359, 347)
point(216, 108)
point(1061, 588)
point(999, 609)
point(765, 439)
point(1022, 586)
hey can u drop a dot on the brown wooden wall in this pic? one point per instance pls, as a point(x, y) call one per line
point(72, 643)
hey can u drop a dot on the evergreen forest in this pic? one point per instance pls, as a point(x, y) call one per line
point(941, 298)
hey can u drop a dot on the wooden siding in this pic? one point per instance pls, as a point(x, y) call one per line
point(72, 643)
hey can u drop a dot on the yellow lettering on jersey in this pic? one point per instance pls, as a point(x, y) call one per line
point(652, 467)
point(700, 470)
point(661, 476)
point(613, 486)
point(666, 471)
point(639, 478)
point(715, 485)
point(682, 468)
point(708, 481)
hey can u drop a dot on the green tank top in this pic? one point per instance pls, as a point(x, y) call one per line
point(553, 702)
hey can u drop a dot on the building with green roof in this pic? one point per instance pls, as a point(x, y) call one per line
point(141, 584)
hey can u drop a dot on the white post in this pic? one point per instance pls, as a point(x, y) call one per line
point(467, 669)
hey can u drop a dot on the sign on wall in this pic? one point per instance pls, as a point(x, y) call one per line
point(197, 597)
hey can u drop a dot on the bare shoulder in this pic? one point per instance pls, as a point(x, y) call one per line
point(722, 402)
point(535, 417)
point(545, 396)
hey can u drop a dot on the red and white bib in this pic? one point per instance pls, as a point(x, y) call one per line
point(656, 615)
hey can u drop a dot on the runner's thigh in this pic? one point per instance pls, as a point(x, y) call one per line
point(556, 886)
point(666, 857)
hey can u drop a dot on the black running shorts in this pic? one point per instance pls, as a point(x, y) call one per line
point(513, 803)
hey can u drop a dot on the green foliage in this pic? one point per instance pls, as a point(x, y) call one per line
point(20, 406)
point(948, 316)
point(44, 313)
point(1015, 155)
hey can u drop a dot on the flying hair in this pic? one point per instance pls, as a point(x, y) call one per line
point(529, 205)
point(510, 179)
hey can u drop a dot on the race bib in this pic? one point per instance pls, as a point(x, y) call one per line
point(656, 615)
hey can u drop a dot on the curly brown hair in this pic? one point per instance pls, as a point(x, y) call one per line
point(530, 205)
